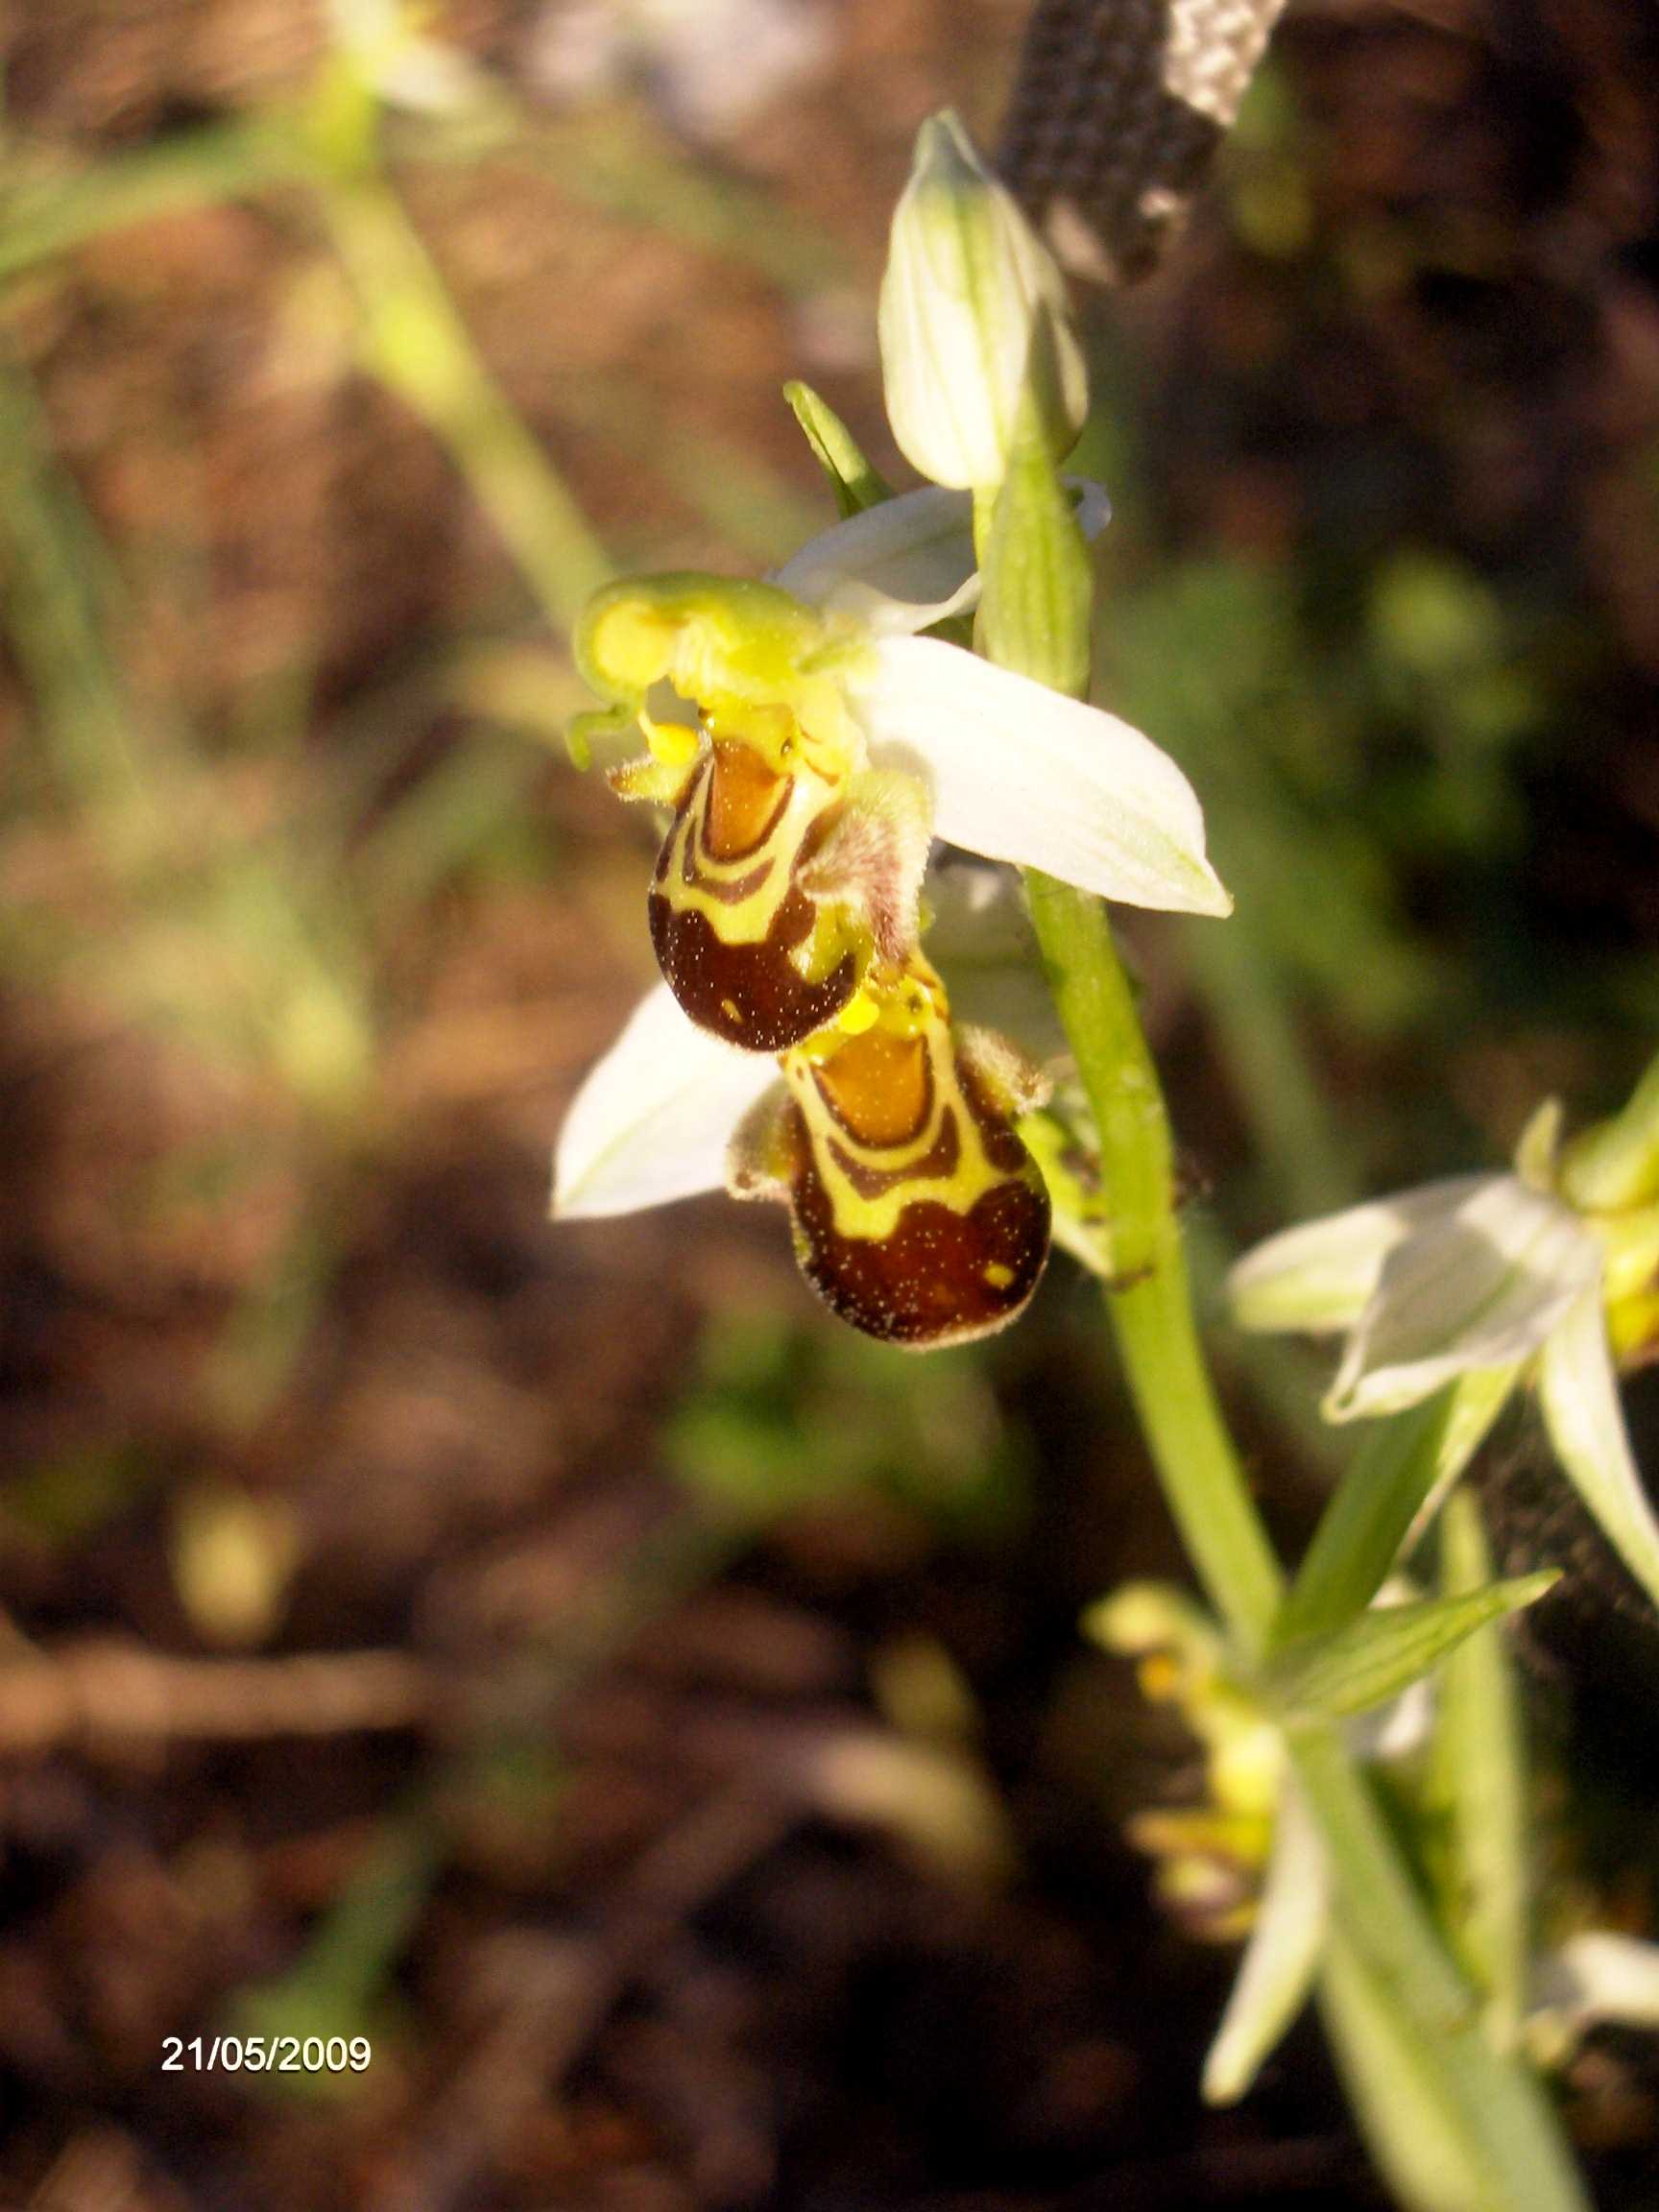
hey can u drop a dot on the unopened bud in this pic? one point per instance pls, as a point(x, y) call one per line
point(972, 305)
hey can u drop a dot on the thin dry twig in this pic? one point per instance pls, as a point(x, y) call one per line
point(90, 1694)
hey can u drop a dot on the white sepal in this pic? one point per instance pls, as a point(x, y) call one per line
point(1480, 1286)
point(902, 565)
point(1019, 772)
point(1320, 1276)
point(654, 1117)
point(908, 563)
point(1580, 1400)
point(1282, 1959)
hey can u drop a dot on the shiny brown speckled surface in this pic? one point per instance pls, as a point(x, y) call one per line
point(946, 1273)
point(742, 982)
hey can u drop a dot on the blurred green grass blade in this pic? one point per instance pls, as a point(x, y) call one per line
point(58, 591)
point(417, 343)
point(1409, 2120)
point(1424, 2075)
point(50, 211)
point(1479, 1778)
point(1311, 1157)
point(614, 163)
point(621, 162)
point(759, 510)
point(332, 1987)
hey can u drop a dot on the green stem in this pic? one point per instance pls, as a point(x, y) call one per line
point(1496, 2105)
point(1034, 617)
point(1148, 1297)
point(1493, 2108)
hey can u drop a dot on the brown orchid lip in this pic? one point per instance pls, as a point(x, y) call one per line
point(751, 995)
point(750, 991)
point(955, 1263)
point(942, 1277)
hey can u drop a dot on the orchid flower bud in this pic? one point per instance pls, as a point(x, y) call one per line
point(972, 305)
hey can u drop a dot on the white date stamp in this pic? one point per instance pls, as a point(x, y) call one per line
point(265, 2053)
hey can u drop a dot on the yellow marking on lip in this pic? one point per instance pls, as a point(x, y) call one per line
point(859, 1014)
point(747, 921)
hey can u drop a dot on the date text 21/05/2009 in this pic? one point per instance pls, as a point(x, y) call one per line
point(265, 2053)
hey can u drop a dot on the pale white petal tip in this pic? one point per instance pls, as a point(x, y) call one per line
point(1601, 1975)
point(652, 1118)
point(1211, 898)
point(899, 567)
point(1277, 1973)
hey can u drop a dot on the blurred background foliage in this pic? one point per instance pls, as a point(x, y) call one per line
point(704, 1799)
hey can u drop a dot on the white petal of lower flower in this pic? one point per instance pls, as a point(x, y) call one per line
point(655, 1115)
point(1319, 1276)
point(1601, 1975)
point(1580, 1400)
point(1277, 1973)
point(1019, 772)
point(910, 562)
point(1479, 1287)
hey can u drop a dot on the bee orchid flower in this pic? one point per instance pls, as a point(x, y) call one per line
point(811, 745)
point(918, 1213)
point(1504, 1276)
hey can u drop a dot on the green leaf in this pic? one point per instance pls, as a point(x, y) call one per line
point(337, 1984)
point(1479, 1778)
point(1034, 612)
point(1386, 1650)
point(855, 484)
point(1405, 1465)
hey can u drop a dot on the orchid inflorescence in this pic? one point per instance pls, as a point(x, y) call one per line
point(811, 743)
